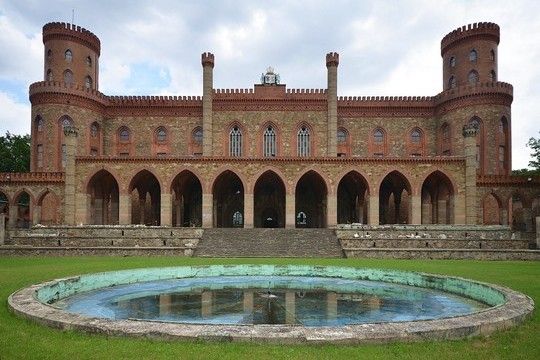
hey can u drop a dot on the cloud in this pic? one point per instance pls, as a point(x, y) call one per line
point(15, 116)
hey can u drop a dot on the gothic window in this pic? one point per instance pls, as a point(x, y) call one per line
point(66, 122)
point(473, 77)
point(378, 136)
point(68, 55)
point(235, 142)
point(93, 152)
point(88, 82)
point(39, 123)
point(94, 130)
point(269, 142)
point(161, 134)
point(492, 55)
point(49, 75)
point(453, 61)
point(198, 136)
point(473, 56)
point(303, 142)
point(341, 136)
point(492, 76)
point(237, 219)
point(68, 77)
point(123, 134)
point(477, 123)
point(40, 155)
point(88, 61)
point(49, 54)
point(416, 136)
point(452, 83)
point(445, 140)
point(64, 155)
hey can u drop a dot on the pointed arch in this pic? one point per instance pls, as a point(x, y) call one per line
point(438, 199)
point(95, 139)
point(196, 141)
point(269, 200)
point(378, 142)
point(103, 194)
point(445, 139)
point(304, 140)
point(186, 189)
point(395, 199)
point(352, 199)
point(145, 190)
point(311, 200)
point(237, 140)
point(343, 142)
point(480, 144)
point(4, 202)
point(228, 196)
point(416, 141)
point(270, 140)
point(492, 209)
point(63, 122)
point(24, 201)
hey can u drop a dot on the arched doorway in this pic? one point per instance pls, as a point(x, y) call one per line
point(22, 201)
point(187, 200)
point(310, 196)
point(491, 210)
point(228, 195)
point(103, 195)
point(50, 207)
point(437, 199)
point(4, 206)
point(145, 199)
point(352, 199)
point(394, 199)
point(269, 201)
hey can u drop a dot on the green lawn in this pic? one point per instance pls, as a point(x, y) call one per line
point(22, 339)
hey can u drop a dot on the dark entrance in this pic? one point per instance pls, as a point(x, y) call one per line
point(269, 201)
point(187, 200)
point(228, 197)
point(310, 195)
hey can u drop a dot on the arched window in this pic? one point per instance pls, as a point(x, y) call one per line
point(88, 82)
point(492, 76)
point(198, 136)
point(445, 140)
point(66, 123)
point(477, 123)
point(303, 142)
point(237, 219)
point(343, 142)
point(503, 155)
point(68, 55)
point(94, 130)
point(49, 54)
point(378, 136)
point(235, 142)
point(492, 55)
point(88, 61)
point(68, 77)
point(452, 83)
point(473, 77)
point(416, 136)
point(452, 61)
point(473, 56)
point(123, 134)
point(341, 136)
point(49, 75)
point(39, 123)
point(161, 134)
point(269, 142)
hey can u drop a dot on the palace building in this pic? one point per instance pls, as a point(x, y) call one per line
point(270, 156)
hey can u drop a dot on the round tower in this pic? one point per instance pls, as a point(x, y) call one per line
point(470, 55)
point(71, 55)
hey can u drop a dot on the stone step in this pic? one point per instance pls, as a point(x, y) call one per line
point(94, 251)
point(100, 242)
point(269, 243)
point(435, 243)
point(457, 254)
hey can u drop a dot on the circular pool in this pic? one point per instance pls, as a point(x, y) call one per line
point(273, 303)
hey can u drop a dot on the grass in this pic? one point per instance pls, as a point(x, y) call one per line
point(21, 339)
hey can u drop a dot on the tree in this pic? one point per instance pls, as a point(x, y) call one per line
point(14, 153)
point(534, 144)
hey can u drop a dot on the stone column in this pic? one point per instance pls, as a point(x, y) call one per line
point(469, 134)
point(332, 61)
point(331, 305)
point(441, 211)
point(426, 213)
point(124, 209)
point(537, 231)
point(207, 210)
point(248, 210)
point(2, 229)
point(290, 211)
point(459, 209)
point(528, 219)
point(248, 302)
point(207, 60)
point(98, 211)
point(331, 211)
point(290, 307)
point(166, 211)
point(36, 215)
point(70, 135)
point(206, 303)
point(504, 217)
point(416, 209)
point(373, 215)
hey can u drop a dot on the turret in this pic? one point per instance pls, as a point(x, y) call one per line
point(470, 55)
point(71, 55)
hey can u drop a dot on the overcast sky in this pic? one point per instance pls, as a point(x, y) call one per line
point(386, 48)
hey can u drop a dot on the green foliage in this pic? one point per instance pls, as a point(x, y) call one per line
point(22, 339)
point(15, 153)
point(526, 172)
point(534, 144)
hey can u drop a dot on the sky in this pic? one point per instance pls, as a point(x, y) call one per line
point(385, 47)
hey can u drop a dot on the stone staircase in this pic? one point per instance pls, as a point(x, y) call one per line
point(269, 243)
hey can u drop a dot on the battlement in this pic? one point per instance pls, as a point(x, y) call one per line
point(332, 59)
point(207, 59)
point(385, 99)
point(269, 92)
point(481, 88)
point(66, 31)
point(487, 30)
point(32, 177)
point(153, 100)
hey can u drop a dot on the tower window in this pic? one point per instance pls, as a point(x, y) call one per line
point(452, 61)
point(40, 155)
point(492, 55)
point(94, 130)
point(473, 56)
point(492, 76)
point(88, 82)
point(88, 61)
point(64, 155)
point(49, 75)
point(68, 77)
point(235, 142)
point(303, 142)
point(68, 55)
point(473, 77)
point(49, 54)
point(39, 123)
point(161, 134)
point(452, 83)
point(269, 142)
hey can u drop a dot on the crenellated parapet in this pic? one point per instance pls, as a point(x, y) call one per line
point(32, 177)
point(71, 32)
point(494, 93)
point(481, 30)
point(271, 93)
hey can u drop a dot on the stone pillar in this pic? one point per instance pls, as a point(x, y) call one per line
point(332, 61)
point(290, 307)
point(166, 210)
point(331, 211)
point(426, 213)
point(469, 134)
point(2, 229)
point(13, 216)
point(206, 303)
point(373, 215)
point(114, 212)
point(124, 209)
point(36, 215)
point(207, 210)
point(331, 305)
point(528, 219)
point(207, 60)
point(248, 210)
point(70, 135)
point(416, 209)
point(98, 211)
point(459, 209)
point(537, 231)
point(248, 302)
point(441, 211)
point(504, 217)
point(290, 211)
